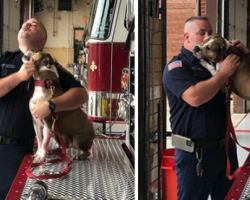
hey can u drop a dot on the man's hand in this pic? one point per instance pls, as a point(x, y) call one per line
point(27, 69)
point(40, 108)
point(229, 65)
point(241, 46)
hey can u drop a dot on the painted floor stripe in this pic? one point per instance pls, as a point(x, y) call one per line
point(243, 131)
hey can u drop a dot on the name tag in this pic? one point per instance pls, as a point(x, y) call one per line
point(8, 66)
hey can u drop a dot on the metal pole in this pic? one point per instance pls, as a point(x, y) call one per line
point(223, 18)
point(143, 98)
point(159, 148)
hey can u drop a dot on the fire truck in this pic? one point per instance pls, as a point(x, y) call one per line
point(102, 61)
point(106, 69)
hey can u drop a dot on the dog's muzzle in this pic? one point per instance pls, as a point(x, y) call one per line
point(196, 49)
point(197, 52)
point(26, 57)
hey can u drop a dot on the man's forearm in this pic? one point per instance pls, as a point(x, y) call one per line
point(203, 91)
point(71, 99)
point(8, 83)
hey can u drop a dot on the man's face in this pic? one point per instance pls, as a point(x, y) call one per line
point(31, 30)
point(197, 31)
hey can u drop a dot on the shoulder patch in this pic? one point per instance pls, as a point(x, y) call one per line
point(174, 64)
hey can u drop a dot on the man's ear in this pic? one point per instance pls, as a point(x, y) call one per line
point(186, 37)
point(43, 40)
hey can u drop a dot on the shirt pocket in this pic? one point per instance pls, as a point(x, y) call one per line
point(7, 69)
point(201, 74)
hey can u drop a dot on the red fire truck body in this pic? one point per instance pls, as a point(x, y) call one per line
point(105, 59)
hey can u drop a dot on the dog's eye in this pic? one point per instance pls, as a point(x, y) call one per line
point(208, 48)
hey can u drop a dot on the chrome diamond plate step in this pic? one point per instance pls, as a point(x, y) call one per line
point(107, 174)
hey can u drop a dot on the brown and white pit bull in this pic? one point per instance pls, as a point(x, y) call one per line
point(214, 49)
point(73, 125)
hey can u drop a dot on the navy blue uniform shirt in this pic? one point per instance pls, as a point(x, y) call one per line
point(15, 117)
point(206, 122)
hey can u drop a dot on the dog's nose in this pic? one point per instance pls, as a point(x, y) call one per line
point(196, 49)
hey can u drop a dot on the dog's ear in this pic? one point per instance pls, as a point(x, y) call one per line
point(206, 39)
point(223, 46)
point(37, 63)
point(217, 36)
point(48, 60)
point(223, 49)
point(51, 61)
point(37, 59)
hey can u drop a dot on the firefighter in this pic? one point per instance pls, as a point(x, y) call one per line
point(198, 118)
point(16, 127)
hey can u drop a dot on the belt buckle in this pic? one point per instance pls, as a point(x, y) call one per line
point(47, 86)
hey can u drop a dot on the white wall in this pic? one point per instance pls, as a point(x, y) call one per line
point(64, 27)
point(11, 25)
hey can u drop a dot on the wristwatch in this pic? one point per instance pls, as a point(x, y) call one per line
point(52, 106)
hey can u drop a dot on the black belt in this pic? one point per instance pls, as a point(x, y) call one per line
point(11, 141)
point(209, 144)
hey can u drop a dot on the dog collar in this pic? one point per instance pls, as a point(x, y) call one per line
point(47, 83)
point(233, 50)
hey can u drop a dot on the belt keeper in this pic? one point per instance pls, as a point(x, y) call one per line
point(9, 141)
point(6, 140)
point(222, 143)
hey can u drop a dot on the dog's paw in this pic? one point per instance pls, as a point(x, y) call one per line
point(82, 156)
point(40, 156)
point(39, 159)
point(38, 152)
point(34, 156)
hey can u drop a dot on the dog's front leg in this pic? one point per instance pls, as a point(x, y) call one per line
point(209, 67)
point(41, 154)
point(39, 136)
point(217, 67)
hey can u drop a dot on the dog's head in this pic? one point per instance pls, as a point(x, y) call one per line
point(40, 59)
point(213, 48)
point(43, 62)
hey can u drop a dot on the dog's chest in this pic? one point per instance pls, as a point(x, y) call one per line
point(39, 93)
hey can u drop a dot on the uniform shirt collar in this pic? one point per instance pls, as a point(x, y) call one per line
point(19, 51)
point(188, 54)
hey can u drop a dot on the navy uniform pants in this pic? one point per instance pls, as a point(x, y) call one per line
point(11, 158)
point(214, 181)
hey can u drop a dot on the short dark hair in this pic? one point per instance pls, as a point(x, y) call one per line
point(196, 18)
